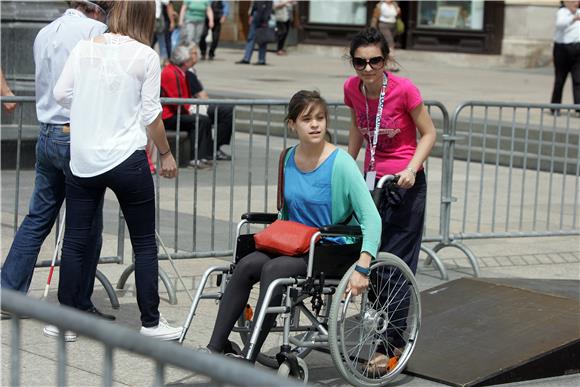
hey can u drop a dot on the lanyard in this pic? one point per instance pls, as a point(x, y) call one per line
point(373, 141)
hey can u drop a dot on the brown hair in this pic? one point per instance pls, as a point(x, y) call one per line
point(135, 19)
point(303, 100)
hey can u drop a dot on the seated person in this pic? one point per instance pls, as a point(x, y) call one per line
point(322, 185)
point(174, 85)
point(224, 114)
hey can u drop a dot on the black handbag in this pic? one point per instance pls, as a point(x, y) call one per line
point(265, 35)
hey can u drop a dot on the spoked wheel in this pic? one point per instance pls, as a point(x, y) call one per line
point(384, 319)
point(268, 356)
point(286, 371)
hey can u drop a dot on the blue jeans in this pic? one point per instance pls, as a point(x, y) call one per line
point(251, 42)
point(132, 183)
point(52, 157)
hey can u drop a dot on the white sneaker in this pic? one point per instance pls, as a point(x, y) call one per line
point(52, 331)
point(163, 331)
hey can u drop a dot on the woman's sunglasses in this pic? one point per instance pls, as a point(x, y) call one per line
point(377, 62)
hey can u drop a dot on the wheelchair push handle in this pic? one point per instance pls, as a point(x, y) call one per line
point(388, 181)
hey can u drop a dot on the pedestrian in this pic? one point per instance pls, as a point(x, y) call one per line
point(192, 17)
point(283, 12)
point(52, 46)
point(259, 17)
point(567, 52)
point(385, 19)
point(111, 86)
point(5, 91)
point(225, 113)
point(164, 26)
point(387, 111)
point(221, 10)
point(193, 118)
point(322, 186)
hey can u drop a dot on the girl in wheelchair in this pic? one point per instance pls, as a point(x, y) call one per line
point(322, 186)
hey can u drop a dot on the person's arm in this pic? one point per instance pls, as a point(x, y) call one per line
point(226, 12)
point(171, 15)
point(151, 116)
point(6, 92)
point(202, 95)
point(366, 214)
point(182, 14)
point(426, 128)
point(564, 18)
point(63, 90)
point(209, 14)
point(156, 131)
point(355, 137)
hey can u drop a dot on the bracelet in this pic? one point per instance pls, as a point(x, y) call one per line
point(362, 270)
point(164, 153)
point(412, 171)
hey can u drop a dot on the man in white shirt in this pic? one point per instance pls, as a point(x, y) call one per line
point(52, 47)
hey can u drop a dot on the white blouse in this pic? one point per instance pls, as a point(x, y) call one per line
point(112, 90)
point(388, 13)
point(566, 30)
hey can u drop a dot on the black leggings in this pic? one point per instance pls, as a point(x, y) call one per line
point(254, 267)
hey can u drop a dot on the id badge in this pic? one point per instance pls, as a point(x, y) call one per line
point(371, 179)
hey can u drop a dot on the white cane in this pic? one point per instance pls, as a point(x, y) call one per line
point(56, 253)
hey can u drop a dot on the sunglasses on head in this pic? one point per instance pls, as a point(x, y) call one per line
point(376, 63)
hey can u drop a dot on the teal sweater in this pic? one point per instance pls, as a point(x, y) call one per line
point(350, 194)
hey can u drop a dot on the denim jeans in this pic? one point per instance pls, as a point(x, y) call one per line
point(132, 183)
point(251, 42)
point(52, 157)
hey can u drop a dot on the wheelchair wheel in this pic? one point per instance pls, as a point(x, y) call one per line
point(285, 371)
point(268, 359)
point(386, 318)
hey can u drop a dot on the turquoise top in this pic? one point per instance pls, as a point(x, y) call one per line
point(195, 10)
point(349, 194)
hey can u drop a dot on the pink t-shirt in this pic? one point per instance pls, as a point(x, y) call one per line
point(397, 134)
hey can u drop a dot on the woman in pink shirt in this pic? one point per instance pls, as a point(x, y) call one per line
point(386, 112)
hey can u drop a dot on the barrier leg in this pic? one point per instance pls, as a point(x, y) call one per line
point(466, 250)
point(108, 288)
point(432, 257)
point(162, 275)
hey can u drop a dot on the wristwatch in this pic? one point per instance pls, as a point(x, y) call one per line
point(362, 270)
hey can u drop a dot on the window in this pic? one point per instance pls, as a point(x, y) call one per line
point(338, 12)
point(462, 15)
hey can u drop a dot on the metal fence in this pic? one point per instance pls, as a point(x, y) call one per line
point(114, 337)
point(510, 170)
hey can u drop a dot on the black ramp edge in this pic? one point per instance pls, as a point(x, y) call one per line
point(474, 331)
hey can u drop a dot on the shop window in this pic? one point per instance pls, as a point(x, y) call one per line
point(461, 15)
point(338, 12)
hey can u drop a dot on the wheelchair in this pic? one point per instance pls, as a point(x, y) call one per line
point(351, 328)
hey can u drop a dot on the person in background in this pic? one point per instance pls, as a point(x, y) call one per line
point(164, 26)
point(225, 113)
point(193, 118)
point(385, 19)
point(283, 12)
point(259, 17)
point(221, 10)
point(567, 52)
point(392, 149)
point(111, 113)
point(52, 46)
point(192, 20)
point(6, 92)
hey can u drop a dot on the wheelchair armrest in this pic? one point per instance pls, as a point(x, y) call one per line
point(260, 217)
point(340, 230)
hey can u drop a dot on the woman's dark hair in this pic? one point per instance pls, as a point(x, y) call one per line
point(302, 100)
point(369, 36)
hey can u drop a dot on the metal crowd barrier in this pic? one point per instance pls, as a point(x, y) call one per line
point(115, 337)
point(510, 170)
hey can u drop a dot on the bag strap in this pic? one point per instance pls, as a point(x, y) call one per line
point(281, 162)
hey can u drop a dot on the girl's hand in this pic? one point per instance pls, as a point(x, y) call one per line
point(168, 166)
point(357, 283)
point(406, 178)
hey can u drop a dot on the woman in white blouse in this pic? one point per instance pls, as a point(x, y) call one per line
point(567, 51)
point(111, 85)
point(387, 12)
